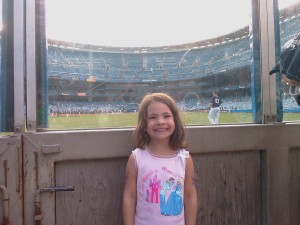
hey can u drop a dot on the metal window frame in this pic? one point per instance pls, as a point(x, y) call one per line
point(267, 61)
point(31, 66)
point(267, 53)
point(19, 67)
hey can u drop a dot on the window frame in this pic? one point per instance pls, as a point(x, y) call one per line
point(267, 105)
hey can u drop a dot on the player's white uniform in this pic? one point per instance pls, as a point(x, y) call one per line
point(214, 112)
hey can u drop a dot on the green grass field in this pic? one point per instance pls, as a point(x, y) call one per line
point(122, 120)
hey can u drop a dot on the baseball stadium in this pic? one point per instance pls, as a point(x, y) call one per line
point(91, 79)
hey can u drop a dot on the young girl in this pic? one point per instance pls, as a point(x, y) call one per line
point(160, 185)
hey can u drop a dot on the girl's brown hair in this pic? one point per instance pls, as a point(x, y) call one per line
point(140, 135)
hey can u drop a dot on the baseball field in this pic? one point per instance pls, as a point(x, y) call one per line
point(122, 120)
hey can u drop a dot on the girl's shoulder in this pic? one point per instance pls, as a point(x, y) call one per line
point(183, 153)
point(136, 155)
point(138, 151)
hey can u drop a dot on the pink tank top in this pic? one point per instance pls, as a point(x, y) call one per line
point(160, 188)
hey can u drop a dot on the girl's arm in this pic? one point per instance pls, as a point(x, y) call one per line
point(190, 194)
point(129, 196)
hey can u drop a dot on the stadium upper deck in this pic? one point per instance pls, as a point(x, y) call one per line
point(136, 67)
point(73, 61)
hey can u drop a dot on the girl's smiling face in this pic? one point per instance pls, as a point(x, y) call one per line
point(160, 121)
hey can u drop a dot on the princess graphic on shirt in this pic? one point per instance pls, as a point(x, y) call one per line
point(167, 185)
point(174, 204)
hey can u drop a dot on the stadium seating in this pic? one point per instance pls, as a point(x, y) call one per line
point(171, 65)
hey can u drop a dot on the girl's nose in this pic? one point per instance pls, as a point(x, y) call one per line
point(161, 119)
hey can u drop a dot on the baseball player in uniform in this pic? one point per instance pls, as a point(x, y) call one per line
point(214, 106)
